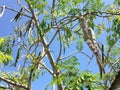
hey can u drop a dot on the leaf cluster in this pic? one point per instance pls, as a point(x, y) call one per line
point(5, 50)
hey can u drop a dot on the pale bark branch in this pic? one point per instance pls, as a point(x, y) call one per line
point(71, 54)
point(14, 83)
point(43, 41)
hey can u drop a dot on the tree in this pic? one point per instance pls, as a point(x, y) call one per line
point(43, 25)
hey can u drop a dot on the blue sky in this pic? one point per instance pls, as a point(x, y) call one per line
point(7, 29)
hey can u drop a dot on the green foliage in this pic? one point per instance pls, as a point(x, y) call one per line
point(40, 5)
point(68, 33)
point(5, 45)
point(4, 58)
point(68, 67)
point(79, 45)
point(67, 41)
point(5, 50)
point(61, 18)
point(34, 71)
point(100, 27)
point(115, 35)
point(93, 5)
point(16, 77)
point(43, 28)
point(74, 11)
point(117, 2)
point(35, 68)
point(81, 81)
point(116, 28)
point(2, 40)
point(69, 64)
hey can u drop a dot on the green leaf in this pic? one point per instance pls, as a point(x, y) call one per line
point(2, 40)
point(68, 33)
point(74, 11)
point(5, 59)
point(79, 44)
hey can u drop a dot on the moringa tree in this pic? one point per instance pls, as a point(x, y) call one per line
point(50, 36)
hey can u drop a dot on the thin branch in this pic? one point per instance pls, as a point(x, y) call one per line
point(60, 51)
point(64, 19)
point(14, 83)
point(30, 77)
point(107, 58)
point(25, 60)
point(4, 88)
point(20, 4)
point(67, 22)
point(16, 11)
point(71, 54)
point(53, 5)
point(53, 38)
point(40, 57)
point(110, 13)
point(118, 60)
point(50, 71)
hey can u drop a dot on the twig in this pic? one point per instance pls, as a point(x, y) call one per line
point(53, 38)
point(53, 5)
point(16, 11)
point(19, 3)
point(110, 13)
point(4, 88)
point(50, 71)
point(60, 48)
point(14, 83)
point(75, 53)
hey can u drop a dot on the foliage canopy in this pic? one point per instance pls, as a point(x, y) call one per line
point(51, 32)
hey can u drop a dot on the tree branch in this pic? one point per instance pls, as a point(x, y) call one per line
point(75, 53)
point(43, 41)
point(116, 82)
point(53, 5)
point(4, 88)
point(16, 11)
point(53, 38)
point(60, 47)
point(108, 14)
point(14, 83)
